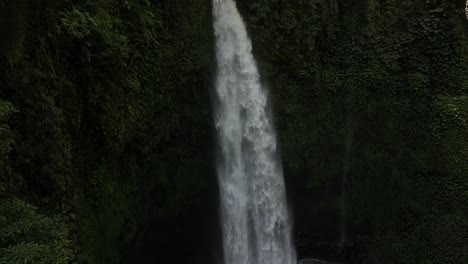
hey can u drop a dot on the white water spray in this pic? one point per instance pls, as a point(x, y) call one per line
point(255, 221)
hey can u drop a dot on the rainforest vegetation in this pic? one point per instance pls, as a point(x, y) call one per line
point(107, 138)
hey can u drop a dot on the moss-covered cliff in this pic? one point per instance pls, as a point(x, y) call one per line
point(105, 118)
point(373, 93)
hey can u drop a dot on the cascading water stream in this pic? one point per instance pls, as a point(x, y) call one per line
point(255, 220)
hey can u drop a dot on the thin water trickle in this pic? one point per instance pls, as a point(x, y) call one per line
point(255, 221)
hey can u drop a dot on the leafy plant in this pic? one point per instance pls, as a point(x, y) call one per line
point(27, 236)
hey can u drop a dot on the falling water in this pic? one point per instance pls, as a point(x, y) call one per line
point(255, 221)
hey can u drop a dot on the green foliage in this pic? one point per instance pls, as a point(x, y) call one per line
point(6, 141)
point(28, 236)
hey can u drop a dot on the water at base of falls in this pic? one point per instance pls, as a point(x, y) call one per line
point(256, 225)
point(314, 261)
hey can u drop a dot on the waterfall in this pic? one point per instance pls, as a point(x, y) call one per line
point(256, 225)
point(466, 9)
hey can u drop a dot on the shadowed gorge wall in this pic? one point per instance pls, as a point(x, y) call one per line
point(106, 127)
point(376, 91)
point(106, 111)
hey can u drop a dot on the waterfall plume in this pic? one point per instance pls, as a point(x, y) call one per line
point(256, 225)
